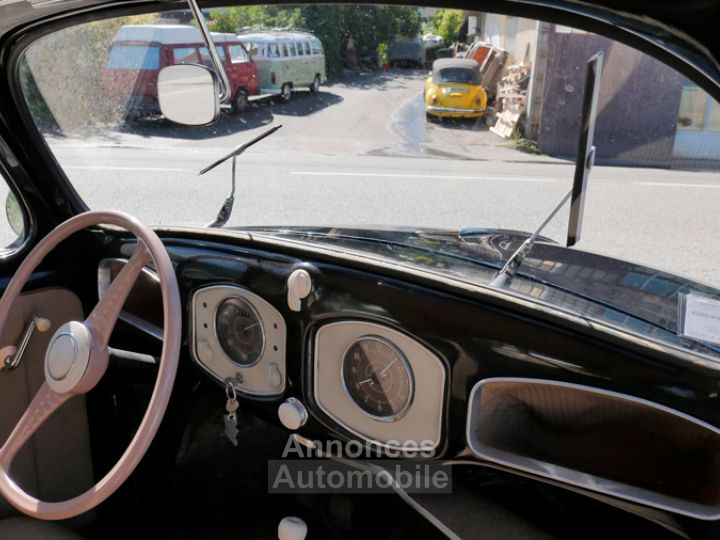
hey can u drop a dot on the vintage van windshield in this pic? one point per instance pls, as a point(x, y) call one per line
point(370, 140)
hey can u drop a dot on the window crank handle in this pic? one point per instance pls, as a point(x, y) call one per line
point(12, 356)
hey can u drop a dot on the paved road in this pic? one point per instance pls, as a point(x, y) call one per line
point(361, 153)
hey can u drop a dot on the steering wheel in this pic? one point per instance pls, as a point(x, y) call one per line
point(77, 358)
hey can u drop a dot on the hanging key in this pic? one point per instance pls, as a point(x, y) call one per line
point(231, 406)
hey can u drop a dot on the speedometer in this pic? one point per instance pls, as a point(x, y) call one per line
point(240, 331)
point(377, 377)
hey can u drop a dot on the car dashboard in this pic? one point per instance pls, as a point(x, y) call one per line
point(339, 347)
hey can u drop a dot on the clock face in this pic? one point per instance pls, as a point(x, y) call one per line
point(378, 377)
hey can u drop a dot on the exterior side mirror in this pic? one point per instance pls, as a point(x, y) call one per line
point(14, 215)
point(188, 94)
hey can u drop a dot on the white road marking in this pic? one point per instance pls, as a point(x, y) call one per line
point(432, 176)
point(677, 184)
point(107, 168)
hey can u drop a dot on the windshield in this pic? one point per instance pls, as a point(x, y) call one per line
point(457, 75)
point(370, 140)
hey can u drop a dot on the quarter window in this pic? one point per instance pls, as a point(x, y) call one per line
point(12, 223)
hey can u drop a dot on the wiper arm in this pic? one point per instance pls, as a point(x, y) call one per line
point(226, 209)
point(583, 165)
point(508, 271)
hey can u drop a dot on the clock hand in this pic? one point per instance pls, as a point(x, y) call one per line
point(382, 373)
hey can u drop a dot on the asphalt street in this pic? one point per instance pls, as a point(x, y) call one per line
point(362, 153)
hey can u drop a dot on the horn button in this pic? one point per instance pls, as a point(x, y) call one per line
point(67, 356)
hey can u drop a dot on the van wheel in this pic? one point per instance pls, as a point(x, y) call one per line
point(285, 93)
point(315, 86)
point(241, 101)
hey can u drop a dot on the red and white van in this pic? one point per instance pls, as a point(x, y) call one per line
point(139, 51)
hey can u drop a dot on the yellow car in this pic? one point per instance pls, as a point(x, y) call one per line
point(453, 90)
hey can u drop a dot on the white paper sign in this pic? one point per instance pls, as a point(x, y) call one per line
point(700, 318)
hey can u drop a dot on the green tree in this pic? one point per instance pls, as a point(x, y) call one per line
point(334, 25)
point(447, 23)
point(267, 16)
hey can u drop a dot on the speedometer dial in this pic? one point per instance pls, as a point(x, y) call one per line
point(240, 331)
point(377, 377)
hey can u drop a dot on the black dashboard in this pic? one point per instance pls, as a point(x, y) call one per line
point(334, 346)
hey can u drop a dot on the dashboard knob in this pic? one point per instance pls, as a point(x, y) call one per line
point(299, 286)
point(293, 414)
point(292, 528)
point(204, 351)
point(274, 376)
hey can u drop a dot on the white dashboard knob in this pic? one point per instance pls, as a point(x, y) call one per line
point(204, 351)
point(292, 528)
point(275, 378)
point(293, 414)
point(299, 286)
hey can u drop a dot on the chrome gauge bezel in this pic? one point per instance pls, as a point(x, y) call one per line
point(267, 376)
point(408, 369)
point(257, 316)
point(421, 424)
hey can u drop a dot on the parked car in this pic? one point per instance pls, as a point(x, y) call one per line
point(408, 53)
point(139, 51)
point(286, 61)
point(453, 90)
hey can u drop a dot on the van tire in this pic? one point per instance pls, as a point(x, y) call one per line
point(315, 86)
point(285, 93)
point(241, 101)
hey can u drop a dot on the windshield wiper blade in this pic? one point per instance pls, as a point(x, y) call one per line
point(224, 214)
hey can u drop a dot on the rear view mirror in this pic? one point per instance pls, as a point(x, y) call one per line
point(188, 94)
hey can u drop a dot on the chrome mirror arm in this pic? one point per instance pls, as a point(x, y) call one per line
point(212, 51)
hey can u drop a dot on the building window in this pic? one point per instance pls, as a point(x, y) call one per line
point(698, 111)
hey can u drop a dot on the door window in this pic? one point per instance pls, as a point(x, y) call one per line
point(300, 49)
point(307, 48)
point(205, 57)
point(186, 55)
point(238, 54)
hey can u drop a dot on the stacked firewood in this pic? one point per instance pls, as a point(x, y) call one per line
point(511, 99)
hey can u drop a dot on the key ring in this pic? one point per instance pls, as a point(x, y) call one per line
point(230, 390)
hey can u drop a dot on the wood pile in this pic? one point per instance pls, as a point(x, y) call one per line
point(511, 99)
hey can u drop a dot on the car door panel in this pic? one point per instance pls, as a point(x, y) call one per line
point(56, 464)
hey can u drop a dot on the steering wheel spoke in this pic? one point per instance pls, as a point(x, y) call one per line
point(45, 402)
point(105, 314)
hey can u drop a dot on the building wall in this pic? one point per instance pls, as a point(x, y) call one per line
point(637, 107)
point(516, 35)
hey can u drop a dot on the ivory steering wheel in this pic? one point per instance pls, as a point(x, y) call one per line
point(77, 358)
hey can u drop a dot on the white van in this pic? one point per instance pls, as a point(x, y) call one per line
point(286, 61)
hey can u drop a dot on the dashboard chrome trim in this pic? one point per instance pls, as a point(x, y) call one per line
point(577, 479)
point(255, 379)
point(419, 426)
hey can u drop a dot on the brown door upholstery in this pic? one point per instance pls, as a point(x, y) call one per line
point(56, 464)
